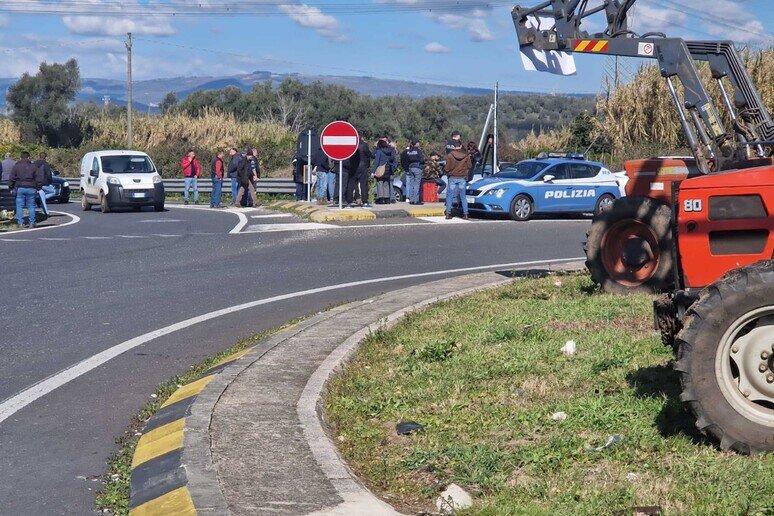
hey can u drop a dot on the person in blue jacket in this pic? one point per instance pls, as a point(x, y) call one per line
point(384, 165)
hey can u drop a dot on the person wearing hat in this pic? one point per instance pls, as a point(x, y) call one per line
point(415, 161)
point(454, 142)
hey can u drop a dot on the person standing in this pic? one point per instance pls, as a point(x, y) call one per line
point(233, 166)
point(47, 189)
point(326, 179)
point(25, 178)
point(191, 172)
point(404, 164)
point(6, 166)
point(457, 168)
point(456, 138)
point(299, 176)
point(217, 171)
point(475, 159)
point(359, 166)
point(245, 178)
point(385, 162)
point(415, 161)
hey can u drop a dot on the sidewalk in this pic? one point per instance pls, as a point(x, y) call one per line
point(334, 214)
point(250, 436)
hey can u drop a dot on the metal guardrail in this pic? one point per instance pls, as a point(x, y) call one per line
point(275, 186)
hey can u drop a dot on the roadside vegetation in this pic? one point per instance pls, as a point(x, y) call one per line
point(486, 377)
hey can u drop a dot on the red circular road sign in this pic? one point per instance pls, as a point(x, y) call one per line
point(339, 140)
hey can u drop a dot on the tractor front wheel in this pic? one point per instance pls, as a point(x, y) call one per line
point(629, 247)
point(726, 360)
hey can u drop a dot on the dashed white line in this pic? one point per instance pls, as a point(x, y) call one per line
point(167, 236)
point(24, 398)
point(97, 238)
point(130, 236)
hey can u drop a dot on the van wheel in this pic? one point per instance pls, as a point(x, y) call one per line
point(159, 207)
point(85, 204)
point(137, 208)
point(103, 204)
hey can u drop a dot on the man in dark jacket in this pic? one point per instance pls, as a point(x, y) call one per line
point(25, 179)
point(415, 162)
point(456, 138)
point(457, 166)
point(359, 166)
point(245, 178)
point(217, 171)
point(233, 165)
point(47, 190)
point(299, 175)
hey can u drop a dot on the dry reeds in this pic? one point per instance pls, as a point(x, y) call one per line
point(9, 132)
point(213, 130)
point(533, 144)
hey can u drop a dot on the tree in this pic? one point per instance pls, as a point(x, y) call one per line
point(169, 102)
point(40, 105)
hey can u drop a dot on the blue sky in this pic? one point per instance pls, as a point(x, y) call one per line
point(470, 44)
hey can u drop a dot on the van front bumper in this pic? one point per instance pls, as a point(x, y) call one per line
point(120, 196)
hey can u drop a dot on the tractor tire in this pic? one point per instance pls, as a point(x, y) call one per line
point(726, 360)
point(629, 247)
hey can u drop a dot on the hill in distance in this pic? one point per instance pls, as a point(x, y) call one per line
point(148, 93)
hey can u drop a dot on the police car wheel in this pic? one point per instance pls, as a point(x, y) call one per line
point(522, 208)
point(605, 203)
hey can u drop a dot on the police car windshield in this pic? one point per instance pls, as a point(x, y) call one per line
point(523, 170)
point(126, 165)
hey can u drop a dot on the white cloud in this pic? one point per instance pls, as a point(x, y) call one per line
point(470, 16)
point(437, 48)
point(313, 18)
point(116, 26)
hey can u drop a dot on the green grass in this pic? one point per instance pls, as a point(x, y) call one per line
point(114, 496)
point(484, 374)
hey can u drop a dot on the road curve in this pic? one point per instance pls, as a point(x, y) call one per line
point(75, 293)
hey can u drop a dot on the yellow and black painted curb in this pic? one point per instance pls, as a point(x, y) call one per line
point(328, 214)
point(159, 485)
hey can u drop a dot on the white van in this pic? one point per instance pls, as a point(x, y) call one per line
point(120, 178)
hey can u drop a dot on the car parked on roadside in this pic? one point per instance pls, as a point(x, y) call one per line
point(120, 178)
point(568, 184)
point(62, 187)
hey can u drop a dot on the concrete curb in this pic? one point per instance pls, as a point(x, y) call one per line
point(173, 470)
point(328, 214)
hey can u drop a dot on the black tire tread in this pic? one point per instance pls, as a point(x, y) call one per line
point(706, 314)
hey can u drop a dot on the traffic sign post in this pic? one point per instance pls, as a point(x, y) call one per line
point(340, 141)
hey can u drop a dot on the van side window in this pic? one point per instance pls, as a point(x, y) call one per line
point(95, 164)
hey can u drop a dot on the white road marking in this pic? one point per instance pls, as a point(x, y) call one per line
point(159, 221)
point(442, 220)
point(130, 236)
point(55, 239)
point(166, 236)
point(275, 216)
point(276, 228)
point(75, 219)
point(24, 398)
point(15, 240)
point(233, 211)
point(97, 238)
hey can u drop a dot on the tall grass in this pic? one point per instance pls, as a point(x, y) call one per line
point(642, 112)
point(9, 132)
point(211, 130)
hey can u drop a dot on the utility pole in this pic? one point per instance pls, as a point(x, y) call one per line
point(496, 162)
point(129, 138)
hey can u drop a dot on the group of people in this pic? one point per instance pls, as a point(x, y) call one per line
point(382, 164)
point(29, 182)
point(243, 170)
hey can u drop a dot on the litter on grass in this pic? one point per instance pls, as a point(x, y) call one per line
point(612, 441)
point(559, 416)
point(569, 348)
point(409, 427)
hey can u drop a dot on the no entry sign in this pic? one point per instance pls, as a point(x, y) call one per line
point(339, 140)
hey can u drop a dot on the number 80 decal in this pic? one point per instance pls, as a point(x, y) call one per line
point(693, 206)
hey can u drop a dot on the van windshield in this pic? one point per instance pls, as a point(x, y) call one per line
point(127, 165)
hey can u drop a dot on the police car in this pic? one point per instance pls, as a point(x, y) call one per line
point(556, 183)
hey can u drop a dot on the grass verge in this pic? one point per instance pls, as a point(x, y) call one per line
point(485, 375)
point(114, 496)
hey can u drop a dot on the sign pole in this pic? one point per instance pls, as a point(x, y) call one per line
point(341, 186)
point(309, 168)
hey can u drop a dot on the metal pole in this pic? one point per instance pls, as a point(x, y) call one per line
point(496, 161)
point(309, 167)
point(486, 126)
point(341, 187)
point(129, 138)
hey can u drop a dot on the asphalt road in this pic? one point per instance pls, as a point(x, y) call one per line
point(69, 293)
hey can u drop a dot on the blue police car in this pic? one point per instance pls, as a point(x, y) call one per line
point(567, 184)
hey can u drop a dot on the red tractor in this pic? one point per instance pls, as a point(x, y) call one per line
point(700, 229)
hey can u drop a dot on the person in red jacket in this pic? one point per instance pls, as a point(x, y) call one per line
point(191, 171)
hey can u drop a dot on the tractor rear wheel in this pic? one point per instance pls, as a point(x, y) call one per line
point(726, 360)
point(629, 247)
